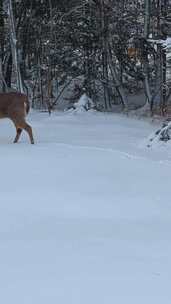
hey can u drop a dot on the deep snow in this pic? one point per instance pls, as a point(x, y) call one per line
point(85, 214)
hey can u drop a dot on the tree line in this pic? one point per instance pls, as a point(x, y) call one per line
point(114, 51)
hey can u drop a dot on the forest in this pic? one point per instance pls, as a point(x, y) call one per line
point(118, 53)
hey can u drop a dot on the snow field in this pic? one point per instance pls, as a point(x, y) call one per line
point(85, 214)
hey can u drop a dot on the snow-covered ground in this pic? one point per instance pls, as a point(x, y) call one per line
point(85, 214)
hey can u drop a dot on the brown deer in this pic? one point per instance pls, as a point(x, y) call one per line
point(15, 106)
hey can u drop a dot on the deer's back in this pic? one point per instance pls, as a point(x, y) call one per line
point(12, 104)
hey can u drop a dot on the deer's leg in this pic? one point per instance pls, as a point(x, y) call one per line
point(28, 129)
point(17, 135)
point(21, 124)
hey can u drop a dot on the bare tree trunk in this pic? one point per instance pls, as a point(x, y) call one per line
point(14, 47)
point(147, 18)
point(105, 55)
point(145, 60)
point(163, 63)
point(2, 44)
point(117, 82)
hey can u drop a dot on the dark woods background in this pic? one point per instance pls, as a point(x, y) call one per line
point(111, 50)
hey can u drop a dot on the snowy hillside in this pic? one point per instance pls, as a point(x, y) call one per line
point(85, 214)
